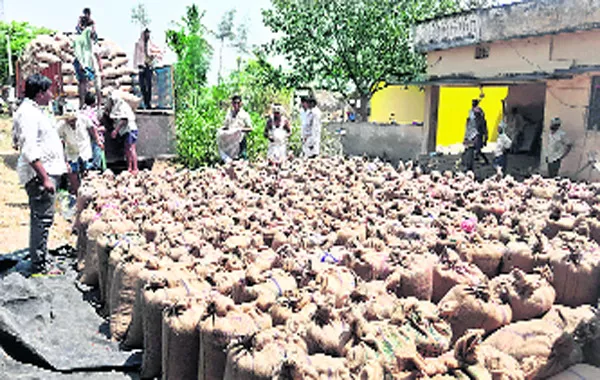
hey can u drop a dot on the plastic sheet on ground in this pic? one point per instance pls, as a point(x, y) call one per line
point(50, 320)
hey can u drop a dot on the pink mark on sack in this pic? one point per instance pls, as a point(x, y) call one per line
point(468, 225)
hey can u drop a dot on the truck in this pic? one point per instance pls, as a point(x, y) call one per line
point(157, 134)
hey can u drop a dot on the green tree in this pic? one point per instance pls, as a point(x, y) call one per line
point(19, 34)
point(139, 15)
point(188, 41)
point(351, 45)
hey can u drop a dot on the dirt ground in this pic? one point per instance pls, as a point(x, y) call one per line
point(14, 210)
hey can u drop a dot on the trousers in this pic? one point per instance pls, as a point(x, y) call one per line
point(145, 78)
point(41, 207)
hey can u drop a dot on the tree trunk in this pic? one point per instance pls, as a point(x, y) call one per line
point(363, 110)
point(220, 61)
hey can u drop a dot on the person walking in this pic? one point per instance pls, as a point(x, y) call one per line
point(559, 146)
point(503, 144)
point(40, 165)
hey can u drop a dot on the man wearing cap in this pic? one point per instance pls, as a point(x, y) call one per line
point(559, 147)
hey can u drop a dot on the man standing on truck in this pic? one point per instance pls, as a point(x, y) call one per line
point(125, 127)
point(84, 62)
point(41, 163)
point(145, 54)
point(231, 138)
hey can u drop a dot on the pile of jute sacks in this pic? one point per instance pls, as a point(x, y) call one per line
point(46, 49)
point(345, 269)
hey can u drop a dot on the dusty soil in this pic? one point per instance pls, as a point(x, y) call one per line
point(14, 209)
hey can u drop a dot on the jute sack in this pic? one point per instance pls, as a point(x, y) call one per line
point(135, 334)
point(122, 297)
point(88, 265)
point(218, 330)
point(156, 297)
point(290, 304)
point(469, 351)
point(518, 255)
point(449, 273)
point(313, 367)
point(578, 372)
point(473, 307)
point(373, 300)
point(540, 347)
point(421, 321)
point(576, 277)
point(325, 332)
point(412, 277)
point(260, 355)
point(529, 295)
point(273, 285)
point(180, 339)
point(369, 264)
point(583, 323)
point(487, 256)
point(337, 282)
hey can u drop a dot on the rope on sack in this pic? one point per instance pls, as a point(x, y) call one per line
point(326, 255)
point(277, 285)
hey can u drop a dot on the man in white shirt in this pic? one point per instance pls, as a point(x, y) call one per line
point(311, 132)
point(231, 138)
point(503, 144)
point(41, 163)
point(559, 147)
point(124, 126)
point(78, 148)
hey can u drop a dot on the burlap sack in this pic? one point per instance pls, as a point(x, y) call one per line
point(180, 340)
point(89, 266)
point(313, 367)
point(469, 353)
point(156, 297)
point(369, 264)
point(420, 321)
point(529, 296)
point(218, 331)
point(122, 297)
point(576, 277)
point(449, 273)
point(578, 372)
point(487, 256)
point(276, 284)
point(325, 334)
point(412, 277)
point(260, 355)
point(583, 323)
point(337, 282)
point(518, 255)
point(541, 348)
point(473, 307)
point(373, 300)
point(135, 334)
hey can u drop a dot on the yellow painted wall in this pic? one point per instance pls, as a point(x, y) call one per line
point(408, 105)
point(455, 103)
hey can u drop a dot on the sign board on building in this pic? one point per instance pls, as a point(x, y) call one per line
point(441, 33)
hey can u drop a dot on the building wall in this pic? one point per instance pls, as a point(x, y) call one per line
point(568, 100)
point(406, 103)
point(455, 103)
point(523, 56)
point(390, 143)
